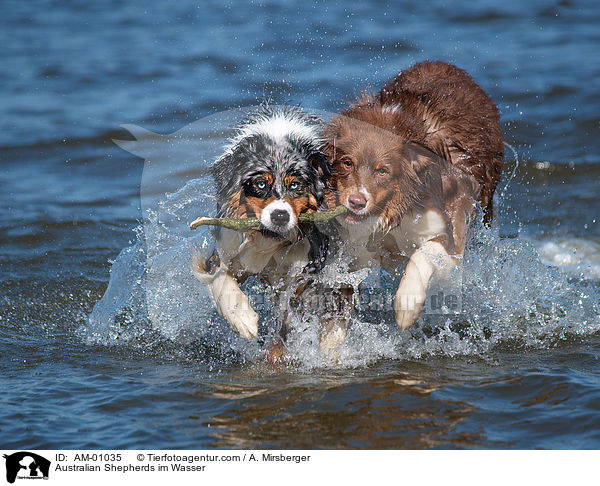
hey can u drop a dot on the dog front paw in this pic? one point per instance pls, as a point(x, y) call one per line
point(244, 322)
point(234, 305)
point(407, 318)
point(408, 309)
point(332, 336)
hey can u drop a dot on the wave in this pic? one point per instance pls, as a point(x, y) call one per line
point(577, 257)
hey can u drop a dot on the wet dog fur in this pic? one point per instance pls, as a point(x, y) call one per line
point(410, 164)
point(272, 169)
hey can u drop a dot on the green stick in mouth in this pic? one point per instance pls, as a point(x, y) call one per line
point(245, 224)
point(238, 224)
point(323, 216)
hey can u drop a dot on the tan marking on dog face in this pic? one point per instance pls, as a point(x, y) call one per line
point(312, 203)
point(288, 179)
point(299, 204)
point(268, 177)
point(254, 205)
point(235, 208)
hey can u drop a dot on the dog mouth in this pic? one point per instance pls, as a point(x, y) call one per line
point(274, 235)
point(354, 218)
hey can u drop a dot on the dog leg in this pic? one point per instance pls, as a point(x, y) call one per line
point(333, 334)
point(277, 352)
point(233, 304)
point(333, 330)
point(432, 257)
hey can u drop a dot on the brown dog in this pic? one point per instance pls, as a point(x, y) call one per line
point(409, 164)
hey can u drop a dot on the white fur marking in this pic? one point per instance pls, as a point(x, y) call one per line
point(265, 216)
point(417, 228)
point(391, 108)
point(279, 127)
point(364, 192)
point(275, 126)
point(233, 304)
point(412, 291)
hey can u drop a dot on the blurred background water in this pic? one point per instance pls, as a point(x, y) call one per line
point(519, 369)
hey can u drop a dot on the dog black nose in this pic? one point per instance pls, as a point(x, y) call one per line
point(280, 217)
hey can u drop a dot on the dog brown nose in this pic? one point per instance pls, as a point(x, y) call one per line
point(357, 201)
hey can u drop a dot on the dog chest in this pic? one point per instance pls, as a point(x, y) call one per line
point(418, 227)
point(272, 258)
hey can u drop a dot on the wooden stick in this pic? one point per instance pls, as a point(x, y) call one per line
point(238, 224)
point(245, 224)
point(323, 216)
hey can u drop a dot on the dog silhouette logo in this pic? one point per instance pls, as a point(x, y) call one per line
point(26, 465)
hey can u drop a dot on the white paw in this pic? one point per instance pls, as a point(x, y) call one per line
point(234, 305)
point(408, 308)
point(412, 291)
point(407, 318)
point(332, 337)
point(244, 322)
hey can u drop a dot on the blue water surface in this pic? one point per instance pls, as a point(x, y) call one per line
point(526, 374)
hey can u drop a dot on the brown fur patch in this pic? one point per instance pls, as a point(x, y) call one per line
point(313, 206)
point(459, 121)
point(299, 204)
point(440, 107)
point(234, 208)
point(255, 205)
point(371, 144)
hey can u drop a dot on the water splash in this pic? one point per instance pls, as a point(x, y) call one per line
point(515, 293)
point(511, 298)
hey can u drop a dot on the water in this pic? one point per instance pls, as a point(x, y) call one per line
point(518, 368)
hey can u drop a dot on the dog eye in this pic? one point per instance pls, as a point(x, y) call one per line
point(260, 184)
point(382, 171)
point(347, 162)
point(293, 186)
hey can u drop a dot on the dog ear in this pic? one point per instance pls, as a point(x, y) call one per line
point(419, 156)
point(320, 163)
point(226, 174)
point(427, 167)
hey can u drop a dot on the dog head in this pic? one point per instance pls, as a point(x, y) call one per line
point(377, 175)
point(273, 170)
